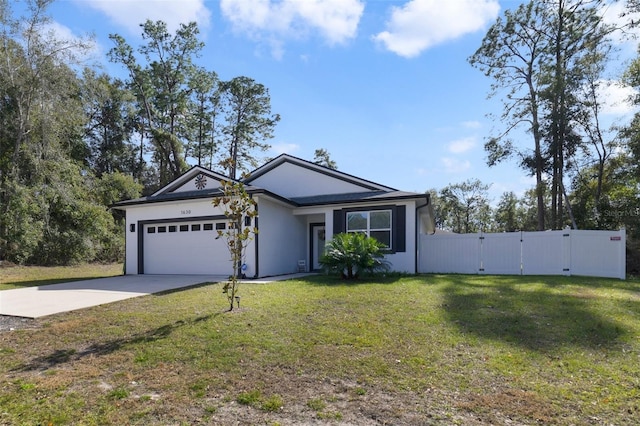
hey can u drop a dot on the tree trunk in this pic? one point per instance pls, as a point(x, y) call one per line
point(569, 209)
point(539, 163)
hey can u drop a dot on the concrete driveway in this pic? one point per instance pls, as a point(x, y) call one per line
point(34, 302)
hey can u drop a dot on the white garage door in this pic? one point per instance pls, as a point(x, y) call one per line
point(185, 248)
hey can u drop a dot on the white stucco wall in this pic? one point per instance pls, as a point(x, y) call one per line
point(281, 239)
point(290, 180)
point(283, 236)
point(401, 261)
point(178, 210)
point(406, 261)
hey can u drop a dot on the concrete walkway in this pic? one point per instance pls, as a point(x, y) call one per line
point(35, 302)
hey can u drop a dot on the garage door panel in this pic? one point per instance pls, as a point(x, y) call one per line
point(185, 248)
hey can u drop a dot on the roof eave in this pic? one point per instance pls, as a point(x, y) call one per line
point(366, 200)
point(123, 205)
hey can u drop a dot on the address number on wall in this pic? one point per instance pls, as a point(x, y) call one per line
point(185, 211)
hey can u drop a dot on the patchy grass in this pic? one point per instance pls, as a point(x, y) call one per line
point(436, 349)
point(13, 276)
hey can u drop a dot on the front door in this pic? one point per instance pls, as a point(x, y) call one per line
point(317, 245)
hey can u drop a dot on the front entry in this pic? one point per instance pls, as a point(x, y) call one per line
point(317, 245)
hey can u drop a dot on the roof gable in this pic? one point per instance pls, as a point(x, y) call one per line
point(290, 176)
point(286, 178)
point(195, 183)
point(195, 179)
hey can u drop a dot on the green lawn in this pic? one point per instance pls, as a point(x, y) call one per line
point(29, 276)
point(434, 349)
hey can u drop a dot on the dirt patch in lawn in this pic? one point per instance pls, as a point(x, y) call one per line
point(308, 400)
point(512, 403)
point(9, 323)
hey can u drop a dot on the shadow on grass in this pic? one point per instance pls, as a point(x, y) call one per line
point(61, 356)
point(181, 289)
point(38, 283)
point(334, 280)
point(540, 318)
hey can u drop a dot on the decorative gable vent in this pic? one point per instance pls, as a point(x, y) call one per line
point(201, 181)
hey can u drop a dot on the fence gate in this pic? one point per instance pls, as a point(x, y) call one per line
point(566, 252)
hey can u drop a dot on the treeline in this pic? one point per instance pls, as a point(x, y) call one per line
point(466, 207)
point(74, 140)
point(552, 64)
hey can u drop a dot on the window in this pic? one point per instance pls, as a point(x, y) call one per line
point(151, 230)
point(162, 229)
point(208, 227)
point(184, 228)
point(386, 223)
point(172, 228)
point(375, 223)
point(221, 226)
point(195, 227)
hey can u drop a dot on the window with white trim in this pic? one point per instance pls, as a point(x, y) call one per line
point(374, 223)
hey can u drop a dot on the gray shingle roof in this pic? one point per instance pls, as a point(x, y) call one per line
point(354, 197)
point(315, 200)
point(184, 195)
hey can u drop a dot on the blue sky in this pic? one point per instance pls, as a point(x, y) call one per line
point(383, 85)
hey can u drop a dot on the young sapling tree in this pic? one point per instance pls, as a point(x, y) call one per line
point(238, 205)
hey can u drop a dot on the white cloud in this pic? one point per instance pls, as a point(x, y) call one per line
point(336, 21)
point(454, 165)
point(420, 24)
point(616, 98)
point(87, 49)
point(471, 124)
point(463, 145)
point(61, 32)
point(131, 13)
point(284, 148)
point(612, 14)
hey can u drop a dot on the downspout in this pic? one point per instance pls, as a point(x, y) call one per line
point(417, 230)
point(256, 237)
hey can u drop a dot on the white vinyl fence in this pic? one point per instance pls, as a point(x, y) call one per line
point(566, 252)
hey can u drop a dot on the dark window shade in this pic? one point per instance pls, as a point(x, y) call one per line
point(338, 221)
point(400, 229)
point(383, 237)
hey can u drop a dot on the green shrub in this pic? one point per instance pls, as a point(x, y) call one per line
point(249, 398)
point(273, 403)
point(349, 254)
point(119, 393)
point(316, 404)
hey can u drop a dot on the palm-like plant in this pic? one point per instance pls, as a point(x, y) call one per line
point(351, 253)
